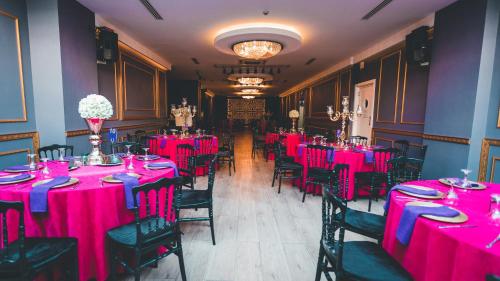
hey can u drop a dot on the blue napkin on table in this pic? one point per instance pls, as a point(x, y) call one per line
point(300, 150)
point(196, 144)
point(410, 215)
point(18, 168)
point(15, 178)
point(163, 142)
point(39, 194)
point(129, 182)
point(121, 154)
point(368, 157)
point(165, 165)
point(430, 192)
point(330, 155)
point(151, 157)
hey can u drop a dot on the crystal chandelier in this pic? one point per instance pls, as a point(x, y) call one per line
point(257, 49)
point(248, 97)
point(250, 80)
point(251, 91)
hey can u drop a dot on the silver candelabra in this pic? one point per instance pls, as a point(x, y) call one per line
point(183, 115)
point(344, 115)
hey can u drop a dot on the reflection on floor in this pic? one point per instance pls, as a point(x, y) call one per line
point(261, 235)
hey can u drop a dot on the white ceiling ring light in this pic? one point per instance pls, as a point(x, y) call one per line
point(258, 41)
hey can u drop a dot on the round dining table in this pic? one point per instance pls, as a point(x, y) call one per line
point(85, 211)
point(437, 251)
point(291, 141)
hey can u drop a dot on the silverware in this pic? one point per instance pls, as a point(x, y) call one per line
point(493, 242)
point(458, 226)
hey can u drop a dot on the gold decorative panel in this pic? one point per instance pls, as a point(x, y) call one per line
point(246, 109)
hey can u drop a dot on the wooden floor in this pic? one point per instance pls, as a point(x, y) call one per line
point(261, 235)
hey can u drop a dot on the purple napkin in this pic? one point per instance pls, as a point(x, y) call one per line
point(121, 154)
point(170, 164)
point(300, 150)
point(18, 168)
point(410, 215)
point(196, 144)
point(368, 157)
point(163, 142)
point(151, 157)
point(430, 192)
point(15, 178)
point(39, 194)
point(129, 182)
point(330, 155)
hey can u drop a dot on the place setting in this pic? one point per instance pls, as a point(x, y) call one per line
point(464, 183)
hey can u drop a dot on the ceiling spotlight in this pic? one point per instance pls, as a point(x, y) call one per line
point(248, 97)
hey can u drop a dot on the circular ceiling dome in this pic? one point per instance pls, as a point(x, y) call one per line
point(288, 38)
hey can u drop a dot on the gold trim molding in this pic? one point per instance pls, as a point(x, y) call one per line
point(129, 49)
point(402, 121)
point(35, 140)
point(483, 159)
point(76, 133)
point(393, 121)
point(15, 151)
point(446, 139)
point(20, 69)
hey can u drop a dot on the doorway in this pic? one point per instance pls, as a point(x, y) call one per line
point(364, 100)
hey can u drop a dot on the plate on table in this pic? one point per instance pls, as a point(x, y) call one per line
point(462, 217)
point(71, 181)
point(156, 168)
point(71, 168)
point(149, 158)
point(21, 171)
point(110, 179)
point(110, 161)
point(475, 185)
point(439, 195)
point(16, 181)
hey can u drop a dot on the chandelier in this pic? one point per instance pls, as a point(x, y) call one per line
point(251, 91)
point(257, 49)
point(250, 80)
point(248, 97)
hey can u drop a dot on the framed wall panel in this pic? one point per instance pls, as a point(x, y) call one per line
point(14, 148)
point(108, 85)
point(13, 107)
point(488, 163)
point(414, 94)
point(388, 88)
point(322, 95)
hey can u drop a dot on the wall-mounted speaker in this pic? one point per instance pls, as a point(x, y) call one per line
point(106, 45)
point(418, 47)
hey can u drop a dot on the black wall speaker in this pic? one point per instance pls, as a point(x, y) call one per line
point(106, 45)
point(418, 47)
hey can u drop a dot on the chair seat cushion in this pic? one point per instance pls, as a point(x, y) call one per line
point(155, 228)
point(368, 224)
point(39, 251)
point(291, 166)
point(364, 260)
point(194, 197)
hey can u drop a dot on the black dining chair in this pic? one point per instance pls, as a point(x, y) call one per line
point(226, 153)
point(204, 152)
point(258, 143)
point(185, 164)
point(284, 169)
point(25, 258)
point(403, 146)
point(121, 147)
point(53, 152)
point(364, 223)
point(201, 199)
point(376, 180)
point(319, 165)
point(352, 260)
point(403, 169)
point(147, 233)
point(491, 277)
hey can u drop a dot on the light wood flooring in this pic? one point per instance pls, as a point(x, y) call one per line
point(261, 235)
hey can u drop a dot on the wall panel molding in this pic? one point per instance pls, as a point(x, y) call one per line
point(19, 69)
point(403, 98)
point(446, 139)
point(35, 141)
point(76, 133)
point(398, 132)
point(483, 159)
point(379, 93)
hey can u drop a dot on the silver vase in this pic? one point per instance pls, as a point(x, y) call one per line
point(96, 156)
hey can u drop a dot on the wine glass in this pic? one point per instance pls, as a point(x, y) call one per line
point(465, 181)
point(77, 161)
point(145, 153)
point(452, 195)
point(32, 164)
point(130, 162)
point(45, 171)
point(495, 208)
point(61, 153)
point(128, 146)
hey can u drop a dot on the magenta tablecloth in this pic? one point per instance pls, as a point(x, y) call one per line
point(447, 254)
point(86, 212)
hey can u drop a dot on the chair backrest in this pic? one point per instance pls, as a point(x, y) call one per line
point(122, 147)
point(153, 143)
point(185, 158)
point(155, 202)
point(340, 180)
point(423, 151)
point(403, 169)
point(320, 156)
point(211, 176)
point(380, 158)
point(403, 146)
point(12, 210)
point(333, 216)
point(52, 151)
point(140, 137)
point(204, 145)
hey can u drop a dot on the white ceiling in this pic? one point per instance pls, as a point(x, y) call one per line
point(332, 30)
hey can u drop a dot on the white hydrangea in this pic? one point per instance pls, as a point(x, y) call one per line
point(95, 106)
point(293, 113)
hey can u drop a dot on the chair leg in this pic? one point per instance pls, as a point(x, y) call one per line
point(112, 275)
point(74, 264)
point(234, 165)
point(279, 181)
point(304, 196)
point(319, 267)
point(229, 166)
point(274, 177)
point(211, 216)
point(180, 255)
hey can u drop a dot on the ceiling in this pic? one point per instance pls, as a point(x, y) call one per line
point(332, 30)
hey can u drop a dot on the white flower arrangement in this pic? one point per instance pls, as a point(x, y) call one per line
point(95, 106)
point(293, 113)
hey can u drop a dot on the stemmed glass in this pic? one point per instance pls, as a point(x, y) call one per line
point(32, 164)
point(61, 154)
point(452, 195)
point(45, 171)
point(465, 181)
point(128, 146)
point(145, 153)
point(130, 162)
point(495, 208)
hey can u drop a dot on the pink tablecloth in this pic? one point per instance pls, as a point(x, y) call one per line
point(86, 213)
point(291, 141)
point(355, 160)
point(447, 254)
point(170, 148)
